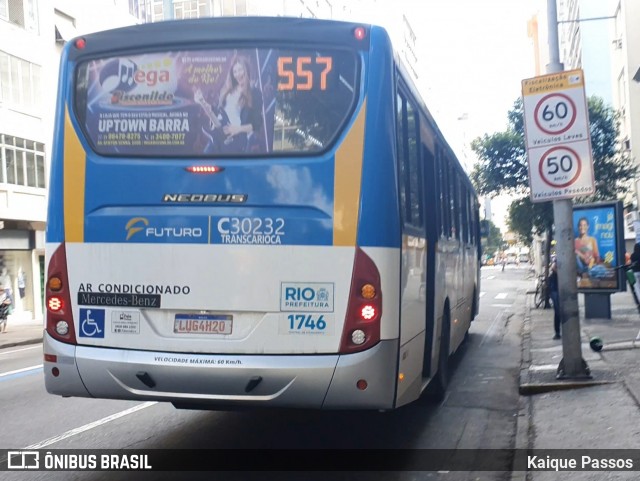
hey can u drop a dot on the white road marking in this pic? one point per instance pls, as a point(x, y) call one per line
point(3, 352)
point(501, 305)
point(30, 368)
point(492, 327)
point(502, 295)
point(482, 294)
point(491, 277)
point(90, 426)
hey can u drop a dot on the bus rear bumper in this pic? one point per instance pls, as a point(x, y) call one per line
point(207, 380)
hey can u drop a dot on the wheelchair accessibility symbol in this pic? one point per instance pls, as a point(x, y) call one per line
point(92, 323)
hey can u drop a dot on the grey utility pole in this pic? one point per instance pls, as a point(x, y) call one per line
point(572, 365)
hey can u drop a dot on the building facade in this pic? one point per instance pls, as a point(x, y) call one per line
point(397, 23)
point(32, 33)
point(584, 31)
point(626, 93)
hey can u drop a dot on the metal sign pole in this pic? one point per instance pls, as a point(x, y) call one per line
point(572, 365)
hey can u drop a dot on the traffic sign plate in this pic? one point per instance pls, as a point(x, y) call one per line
point(559, 172)
point(557, 136)
point(555, 113)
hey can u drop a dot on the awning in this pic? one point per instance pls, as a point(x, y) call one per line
point(65, 30)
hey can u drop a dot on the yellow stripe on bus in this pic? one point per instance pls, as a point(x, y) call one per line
point(74, 183)
point(347, 181)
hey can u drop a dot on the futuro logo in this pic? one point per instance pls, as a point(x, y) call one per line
point(135, 225)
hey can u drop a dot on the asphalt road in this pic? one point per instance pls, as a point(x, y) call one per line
point(479, 411)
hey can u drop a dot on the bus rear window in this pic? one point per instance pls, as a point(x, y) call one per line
point(243, 102)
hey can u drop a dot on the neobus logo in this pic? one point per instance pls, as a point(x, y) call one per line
point(141, 224)
point(205, 198)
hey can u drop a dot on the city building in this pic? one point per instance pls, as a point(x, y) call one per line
point(394, 20)
point(32, 33)
point(626, 95)
point(584, 31)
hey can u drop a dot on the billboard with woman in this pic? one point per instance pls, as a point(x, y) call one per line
point(599, 246)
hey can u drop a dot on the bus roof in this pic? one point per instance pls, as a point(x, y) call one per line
point(223, 29)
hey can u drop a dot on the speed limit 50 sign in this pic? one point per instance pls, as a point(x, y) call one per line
point(557, 136)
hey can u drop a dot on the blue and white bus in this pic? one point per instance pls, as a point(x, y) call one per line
point(253, 212)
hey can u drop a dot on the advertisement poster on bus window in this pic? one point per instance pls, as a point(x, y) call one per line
point(599, 247)
point(181, 103)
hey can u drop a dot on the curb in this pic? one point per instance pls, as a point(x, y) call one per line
point(527, 389)
point(524, 429)
point(21, 343)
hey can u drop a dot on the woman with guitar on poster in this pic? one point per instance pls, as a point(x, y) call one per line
point(236, 126)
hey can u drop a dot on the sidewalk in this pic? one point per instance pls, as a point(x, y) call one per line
point(21, 332)
point(600, 413)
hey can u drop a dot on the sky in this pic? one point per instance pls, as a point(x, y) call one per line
point(472, 57)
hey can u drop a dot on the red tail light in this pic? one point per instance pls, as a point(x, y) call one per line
point(362, 324)
point(59, 315)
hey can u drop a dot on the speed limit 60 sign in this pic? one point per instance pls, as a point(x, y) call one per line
point(557, 136)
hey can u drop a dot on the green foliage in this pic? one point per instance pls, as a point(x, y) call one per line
point(503, 168)
point(525, 217)
point(613, 167)
point(493, 236)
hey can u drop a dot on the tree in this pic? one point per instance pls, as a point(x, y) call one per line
point(492, 234)
point(503, 169)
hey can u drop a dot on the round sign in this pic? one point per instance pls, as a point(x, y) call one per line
point(555, 113)
point(560, 167)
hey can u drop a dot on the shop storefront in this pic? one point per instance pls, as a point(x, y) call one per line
point(21, 266)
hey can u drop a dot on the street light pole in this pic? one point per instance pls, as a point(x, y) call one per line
point(572, 365)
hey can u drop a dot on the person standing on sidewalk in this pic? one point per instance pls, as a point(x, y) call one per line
point(552, 286)
point(635, 267)
point(5, 307)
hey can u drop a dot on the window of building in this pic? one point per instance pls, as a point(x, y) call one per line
point(234, 7)
point(31, 15)
point(22, 13)
point(19, 83)
point(153, 11)
point(136, 9)
point(65, 26)
point(22, 162)
point(190, 9)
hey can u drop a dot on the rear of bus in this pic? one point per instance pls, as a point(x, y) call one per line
point(213, 242)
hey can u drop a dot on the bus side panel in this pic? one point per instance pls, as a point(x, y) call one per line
point(442, 285)
point(387, 261)
point(379, 216)
point(55, 221)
